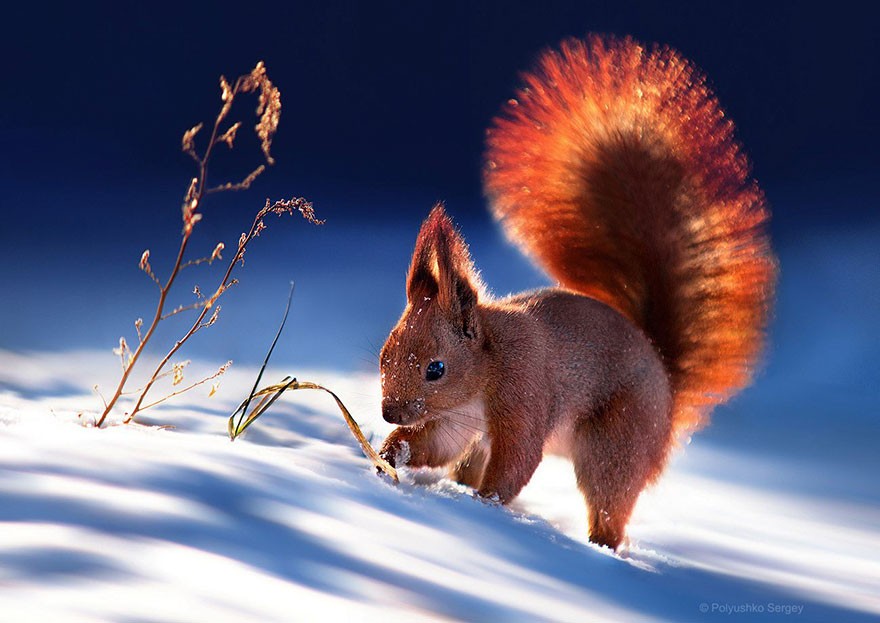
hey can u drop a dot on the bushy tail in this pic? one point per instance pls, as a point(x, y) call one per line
point(617, 171)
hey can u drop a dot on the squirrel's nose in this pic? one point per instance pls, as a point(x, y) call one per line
point(391, 415)
point(400, 412)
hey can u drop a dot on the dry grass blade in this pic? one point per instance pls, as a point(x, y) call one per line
point(275, 391)
point(245, 418)
point(243, 407)
point(268, 396)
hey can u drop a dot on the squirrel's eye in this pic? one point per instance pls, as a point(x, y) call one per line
point(434, 370)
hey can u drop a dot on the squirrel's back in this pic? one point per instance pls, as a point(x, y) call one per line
point(617, 171)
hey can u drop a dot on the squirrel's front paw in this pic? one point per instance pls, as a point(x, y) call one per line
point(390, 456)
point(395, 451)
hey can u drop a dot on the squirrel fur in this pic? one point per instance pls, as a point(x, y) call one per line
point(617, 172)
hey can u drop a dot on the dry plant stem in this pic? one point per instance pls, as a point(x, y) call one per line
point(163, 295)
point(197, 324)
point(279, 207)
point(189, 387)
point(270, 108)
point(276, 390)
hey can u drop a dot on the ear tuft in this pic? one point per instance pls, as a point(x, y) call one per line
point(442, 268)
point(422, 281)
point(438, 220)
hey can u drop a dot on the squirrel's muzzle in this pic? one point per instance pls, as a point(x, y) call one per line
point(402, 412)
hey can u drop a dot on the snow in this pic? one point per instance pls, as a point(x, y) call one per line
point(138, 523)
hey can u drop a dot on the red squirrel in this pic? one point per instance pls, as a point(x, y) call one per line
point(617, 172)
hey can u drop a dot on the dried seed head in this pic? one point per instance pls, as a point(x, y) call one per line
point(225, 89)
point(191, 191)
point(228, 137)
point(214, 316)
point(308, 211)
point(122, 348)
point(268, 108)
point(189, 208)
point(177, 372)
point(188, 142)
point(188, 223)
point(297, 204)
point(270, 115)
point(227, 95)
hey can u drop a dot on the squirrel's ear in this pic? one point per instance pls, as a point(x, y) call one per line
point(421, 281)
point(442, 268)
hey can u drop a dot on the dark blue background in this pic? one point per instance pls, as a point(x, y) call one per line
point(392, 99)
point(385, 107)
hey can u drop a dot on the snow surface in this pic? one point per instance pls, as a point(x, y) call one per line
point(289, 523)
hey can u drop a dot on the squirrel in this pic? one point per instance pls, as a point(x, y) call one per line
point(617, 172)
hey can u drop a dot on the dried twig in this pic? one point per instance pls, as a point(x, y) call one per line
point(218, 373)
point(268, 115)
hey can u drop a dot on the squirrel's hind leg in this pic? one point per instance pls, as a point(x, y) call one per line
point(617, 452)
